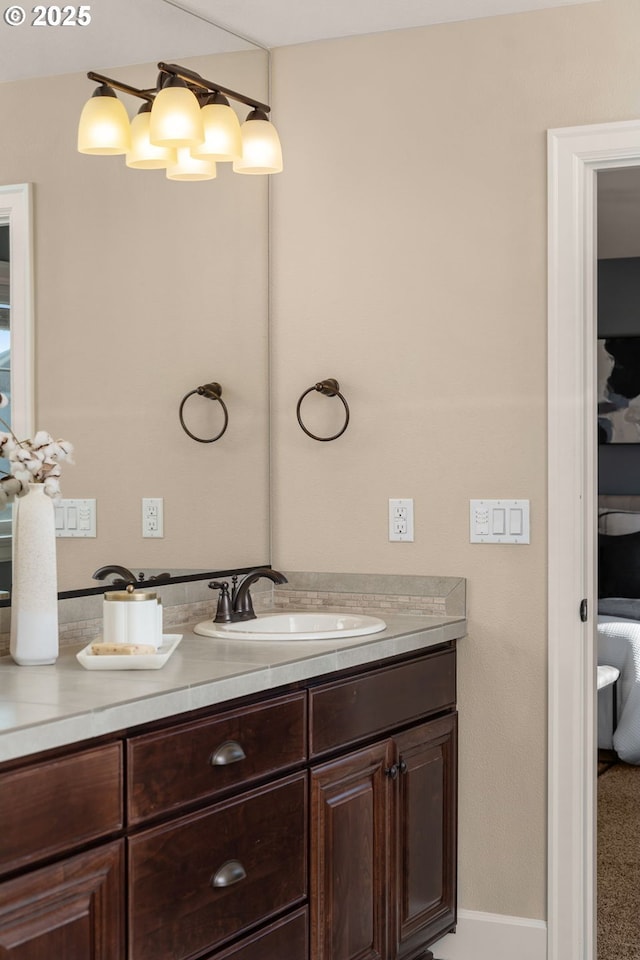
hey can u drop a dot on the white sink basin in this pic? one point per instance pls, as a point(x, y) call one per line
point(294, 626)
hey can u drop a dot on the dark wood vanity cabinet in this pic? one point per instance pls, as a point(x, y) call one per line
point(318, 823)
point(383, 819)
point(383, 847)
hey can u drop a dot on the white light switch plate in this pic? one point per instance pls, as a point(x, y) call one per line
point(75, 518)
point(499, 521)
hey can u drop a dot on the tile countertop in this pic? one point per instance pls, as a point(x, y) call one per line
point(51, 706)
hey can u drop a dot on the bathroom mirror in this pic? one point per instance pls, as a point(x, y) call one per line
point(144, 290)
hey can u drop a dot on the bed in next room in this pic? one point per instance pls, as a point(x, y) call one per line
point(619, 622)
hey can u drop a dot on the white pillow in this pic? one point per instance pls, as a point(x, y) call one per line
point(616, 523)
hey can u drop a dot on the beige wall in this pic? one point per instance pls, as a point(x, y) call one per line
point(146, 289)
point(409, 261)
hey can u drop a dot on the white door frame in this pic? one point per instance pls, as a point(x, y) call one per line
point(575, 154)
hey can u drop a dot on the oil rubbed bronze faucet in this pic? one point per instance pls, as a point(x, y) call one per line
point(124, 575)
point(121, 573)
point(239, 606)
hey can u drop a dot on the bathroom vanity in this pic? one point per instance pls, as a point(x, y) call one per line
point(312, 819)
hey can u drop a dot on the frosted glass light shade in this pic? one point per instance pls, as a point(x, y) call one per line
point(143, 154)
point(261, 150)
point(103, 129)
point(175, 119)
point(187, 167)
point(222, 139)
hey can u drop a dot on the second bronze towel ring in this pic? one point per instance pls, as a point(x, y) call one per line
point(210, 391)
point(329, 388)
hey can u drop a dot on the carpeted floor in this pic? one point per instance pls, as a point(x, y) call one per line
point(619, 863)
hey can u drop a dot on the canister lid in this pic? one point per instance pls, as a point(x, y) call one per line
point(130, 594)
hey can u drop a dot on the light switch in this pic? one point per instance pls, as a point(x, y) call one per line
point(499, 521)
point(515, 521)
point(498, 525)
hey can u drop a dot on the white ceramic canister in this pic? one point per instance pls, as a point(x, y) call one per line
point(131, 616)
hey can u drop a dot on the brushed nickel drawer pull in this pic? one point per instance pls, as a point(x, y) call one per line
point(229, 873)
point(228, 752)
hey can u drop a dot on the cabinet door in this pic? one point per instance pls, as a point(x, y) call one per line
point(426, 831)
point(70, 911)
point(350, 855)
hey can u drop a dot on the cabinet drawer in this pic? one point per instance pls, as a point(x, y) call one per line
point(201, 880)
point(198, 760)
point(52, 806)
point(285, 939)
point(351, 710)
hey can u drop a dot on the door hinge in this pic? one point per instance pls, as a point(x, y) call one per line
point(584, 610)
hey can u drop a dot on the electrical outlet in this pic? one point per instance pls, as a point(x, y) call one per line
point(152, 517)
point(401, 520)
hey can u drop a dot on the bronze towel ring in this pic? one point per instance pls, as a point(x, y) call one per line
point(328, 388)
point(210, 391)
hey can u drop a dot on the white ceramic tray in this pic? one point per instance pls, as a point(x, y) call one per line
point(142, 661)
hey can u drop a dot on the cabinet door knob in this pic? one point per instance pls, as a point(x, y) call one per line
point(392, 771)
point(403, 766)
point(229, 873)
point(228, 752)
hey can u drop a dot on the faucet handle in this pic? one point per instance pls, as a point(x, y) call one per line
point(223, 610)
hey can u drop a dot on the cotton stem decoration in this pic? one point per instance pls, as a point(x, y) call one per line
point(31, 461)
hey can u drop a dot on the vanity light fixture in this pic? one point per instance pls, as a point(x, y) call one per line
point(184, 126)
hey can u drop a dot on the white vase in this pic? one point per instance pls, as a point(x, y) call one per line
point(34, 592)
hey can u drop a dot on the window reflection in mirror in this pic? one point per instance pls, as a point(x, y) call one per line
point(5, 388)
point(16, 335)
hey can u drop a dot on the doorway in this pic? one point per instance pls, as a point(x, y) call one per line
point(575, 155)
point(618, 364)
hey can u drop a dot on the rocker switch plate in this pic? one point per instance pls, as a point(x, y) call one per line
point(75, 518)
point(499, 521)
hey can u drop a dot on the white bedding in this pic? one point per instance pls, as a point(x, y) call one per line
point(619, 646)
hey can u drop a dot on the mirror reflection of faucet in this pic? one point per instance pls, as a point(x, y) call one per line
point(237, 605)
point(122, 574)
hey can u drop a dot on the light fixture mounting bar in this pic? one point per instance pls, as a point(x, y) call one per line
point(123, 87)
point(194, 78)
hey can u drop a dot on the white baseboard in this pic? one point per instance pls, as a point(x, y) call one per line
point(491, 936)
